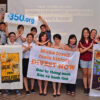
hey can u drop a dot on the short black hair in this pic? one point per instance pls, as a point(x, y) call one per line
point(11, 33)
point(34, 28)
point(58, 36)
point(30, 34)
point(43, 25)
point(19, 26)
point(94, 30)
point(2, 23)
point(71, 37)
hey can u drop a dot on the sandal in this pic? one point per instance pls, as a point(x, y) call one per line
point(68, 92)
point(73, 93)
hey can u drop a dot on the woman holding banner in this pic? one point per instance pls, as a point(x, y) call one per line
point(43, 39)
point(26, 53)
point(86, 48)
point(71, 46)
point(57, 45)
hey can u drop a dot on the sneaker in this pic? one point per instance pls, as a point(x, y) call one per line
point(0, 92)
point(33, 91)
point(18, 92)
point(7, 92)
point(27, 93)
point(88, 90)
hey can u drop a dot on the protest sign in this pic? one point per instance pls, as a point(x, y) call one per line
point(11, 67)
point(53, 64)
point(95, 79)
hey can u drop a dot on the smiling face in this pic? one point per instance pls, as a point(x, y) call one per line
point(73, 41)
point(2, 27)
point(44, 38)
point(43, 29)
point(29, 38)
point(93, 34)
point(33, 32)
point(12, 38)
point(21, 29)
point(86, 34)
point(57, 41)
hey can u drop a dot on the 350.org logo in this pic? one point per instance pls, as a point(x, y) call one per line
point(21, 18)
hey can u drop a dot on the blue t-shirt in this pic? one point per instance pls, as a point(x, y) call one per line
point(48, 35)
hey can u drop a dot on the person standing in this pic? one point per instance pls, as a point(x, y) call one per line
point(20, 36)
point(43, 39)
point(86, 48)
point(57, 44)
point(45, 28)
point(71, 46)
point(26, 53)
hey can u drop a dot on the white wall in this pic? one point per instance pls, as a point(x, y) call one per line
point(63, 16)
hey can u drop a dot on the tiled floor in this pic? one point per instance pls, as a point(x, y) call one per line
point(79, 96)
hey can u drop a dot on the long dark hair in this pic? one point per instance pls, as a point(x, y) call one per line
point(82, 36)
point(71, 37)
point(42, 34)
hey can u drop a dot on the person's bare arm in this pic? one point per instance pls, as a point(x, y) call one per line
point(77, 49)
point(2, 16)
point(82, 50)
point(39, 43)
point(23, 39)
point(7, 33)
point(62, 47)
point(67, 48)
point(90, 50)
point(82, 46)
point(44, 22)
point(97, 40)
point(26, 48)
point(18, 35)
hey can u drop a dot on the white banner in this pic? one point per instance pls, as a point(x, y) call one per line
point(95, 79)
point(11, 67)
point(21, 19)
point(53, 64)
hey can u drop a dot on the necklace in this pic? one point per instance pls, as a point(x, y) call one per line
point(72, 46)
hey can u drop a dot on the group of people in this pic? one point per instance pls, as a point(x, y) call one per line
point(85, 47)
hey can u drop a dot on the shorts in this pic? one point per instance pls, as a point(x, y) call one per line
point(85, 64)
point(25, 67)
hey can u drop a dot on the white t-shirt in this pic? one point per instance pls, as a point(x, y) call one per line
point(15, 43)
point(19, 39)
point(36, 37)
point(27, 53)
